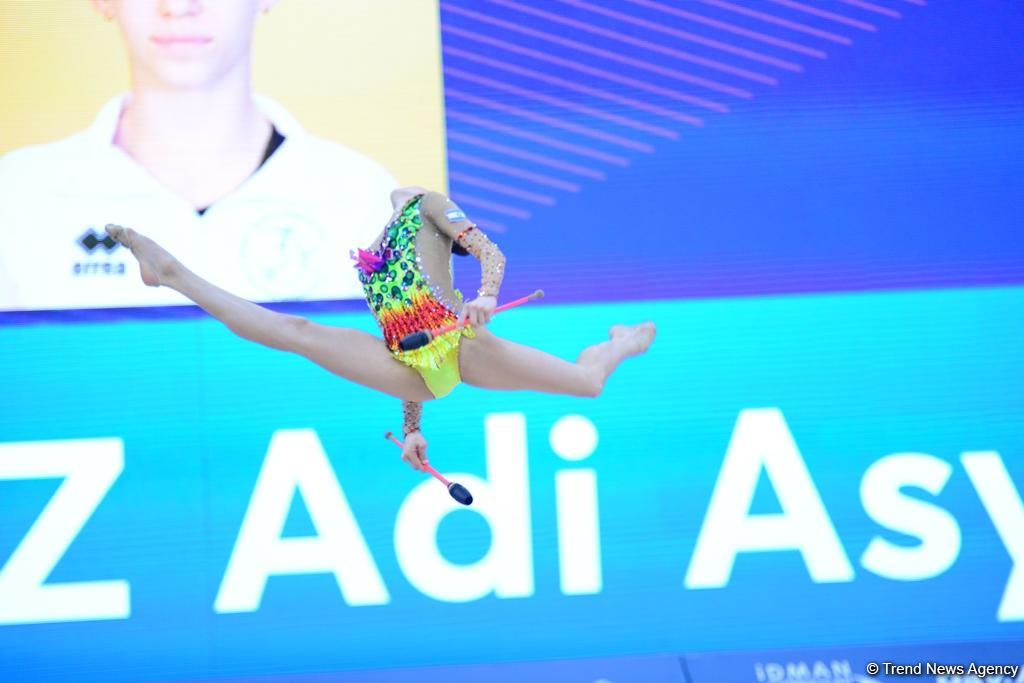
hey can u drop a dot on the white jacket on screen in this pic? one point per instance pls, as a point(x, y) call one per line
point(284, 234)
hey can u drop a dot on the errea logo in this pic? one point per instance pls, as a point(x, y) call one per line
point(98, 246)
point(90, 241)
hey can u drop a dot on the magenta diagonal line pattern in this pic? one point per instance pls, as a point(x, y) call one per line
point(496, 207)
point(777, 21)
point(871, 7)
point(587, 90)
point(732, 28)
point(514, 171)
point(566, 104)
point(546, 96)
point(589, 70)
point(608, 55)
point(686, 35)
point(502, 188)
point(552, 121)
point(833, 16)
point(651, 45)
point(528, 156)
point(546, 140)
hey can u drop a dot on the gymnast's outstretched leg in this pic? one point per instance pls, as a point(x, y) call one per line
point(352, 354)
point(491, 362)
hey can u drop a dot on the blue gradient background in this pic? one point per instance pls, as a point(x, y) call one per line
point(896, 162)
point(857, 377)
point(844, 246)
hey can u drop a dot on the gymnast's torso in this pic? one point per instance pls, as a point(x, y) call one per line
point(407, 274)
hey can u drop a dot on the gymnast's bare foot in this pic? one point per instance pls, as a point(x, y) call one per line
point(633, 340)
point(155, 262)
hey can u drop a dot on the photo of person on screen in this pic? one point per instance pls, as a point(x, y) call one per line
point(223, 174)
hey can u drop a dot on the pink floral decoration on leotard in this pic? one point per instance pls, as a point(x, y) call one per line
point(368, 261)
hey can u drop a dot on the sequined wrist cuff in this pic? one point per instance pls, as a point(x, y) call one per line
point(411, 413)
point(492, 261)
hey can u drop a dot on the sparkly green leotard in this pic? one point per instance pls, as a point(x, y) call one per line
point(404, 300)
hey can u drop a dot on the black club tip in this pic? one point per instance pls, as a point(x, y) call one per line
point(413, 341)
point(460, 493)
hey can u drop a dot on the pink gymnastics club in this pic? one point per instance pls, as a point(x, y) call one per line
point(422, 338)
point(459, 492)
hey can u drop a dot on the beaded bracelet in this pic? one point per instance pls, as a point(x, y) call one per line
point(411, 412)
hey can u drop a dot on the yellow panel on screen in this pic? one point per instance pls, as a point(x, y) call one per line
point(363, 73)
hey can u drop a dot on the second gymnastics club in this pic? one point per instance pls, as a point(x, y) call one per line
point(459, 492)
point(411, 342)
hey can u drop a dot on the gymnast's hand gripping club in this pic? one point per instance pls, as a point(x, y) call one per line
point(416, 340)
point(459, 492)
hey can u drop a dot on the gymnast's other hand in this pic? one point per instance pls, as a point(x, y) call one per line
point(478, 311)
point(414, 451)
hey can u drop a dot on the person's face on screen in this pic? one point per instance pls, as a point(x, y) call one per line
point(185, 43)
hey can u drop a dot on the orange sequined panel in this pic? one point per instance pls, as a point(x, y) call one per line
point(424, 313)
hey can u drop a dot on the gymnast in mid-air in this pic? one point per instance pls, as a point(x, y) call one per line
point(407, 278)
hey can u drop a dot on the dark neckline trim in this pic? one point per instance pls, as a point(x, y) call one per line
point(275, 141)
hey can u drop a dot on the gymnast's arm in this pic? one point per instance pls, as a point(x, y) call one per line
point(414, 449)
point(448, 218)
